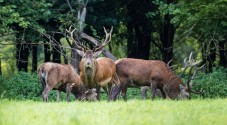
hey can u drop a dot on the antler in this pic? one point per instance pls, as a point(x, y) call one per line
point(191, 63)
point(168, 64)
point(195, 73)
point(106, 41)
point(78, 45)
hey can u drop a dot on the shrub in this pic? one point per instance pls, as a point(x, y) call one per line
point(21, 86)
point(214, 84)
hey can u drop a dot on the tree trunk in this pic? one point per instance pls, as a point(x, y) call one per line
point(56, 48)
point(143, 34)
point(131, 45)
point(212, 56)
point(34, 57)
point(222, 53)
point(167, 36)
point(22, 52)
point(75, 58)
point(139, 29)
point(47, 52)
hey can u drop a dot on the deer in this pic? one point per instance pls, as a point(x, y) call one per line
point(155, 73)
point(188, 63)
point(61, 77)
point(96, 72)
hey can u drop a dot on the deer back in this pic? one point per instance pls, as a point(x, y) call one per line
point(135, 69)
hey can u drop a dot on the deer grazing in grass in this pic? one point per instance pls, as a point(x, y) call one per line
point(154, 73)
point(187, 63)
point(96, 72)
point(62, 78)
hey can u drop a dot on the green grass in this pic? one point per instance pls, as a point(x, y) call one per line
point(132, 112)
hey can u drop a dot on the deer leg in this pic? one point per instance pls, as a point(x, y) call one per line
point(163, 93)
point(124, 91)
point(43, 86)
point(144, 92)
point(98, 92)
point(109, 91)
point(46, 91)
point(58, 95)
point(68, 91)
point(153, 88)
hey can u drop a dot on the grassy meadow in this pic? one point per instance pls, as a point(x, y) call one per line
point(132, 112)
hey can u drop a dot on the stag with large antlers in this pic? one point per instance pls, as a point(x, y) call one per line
point(188, 62)
point(96, 72)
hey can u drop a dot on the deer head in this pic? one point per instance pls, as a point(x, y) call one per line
point(88, 55)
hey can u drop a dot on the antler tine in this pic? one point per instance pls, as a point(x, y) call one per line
point(78, 45)
point(108, 35)
point(195, 63)
point(71, 32)
point(190, 57)
point(169, 62)
point(200, 92)
point(200, 67)
point(107, 39)
point(186, 65)
point(196, 70)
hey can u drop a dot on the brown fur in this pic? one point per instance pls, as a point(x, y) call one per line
point(155, 73)
point(59, 77)
point(103, 69)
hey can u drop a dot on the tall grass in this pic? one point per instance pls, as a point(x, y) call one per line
point(132, 112)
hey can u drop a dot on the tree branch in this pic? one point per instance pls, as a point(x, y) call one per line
point(71, 9)
point(97, 43)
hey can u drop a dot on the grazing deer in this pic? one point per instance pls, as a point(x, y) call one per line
point(62, 78)
point(96, 72)
point(154, 73)
point(187, 63)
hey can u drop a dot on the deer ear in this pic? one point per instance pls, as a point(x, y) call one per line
point(97, 53)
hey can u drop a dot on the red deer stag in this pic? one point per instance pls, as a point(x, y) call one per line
point(96, 72)
point(155, 73)
point(62, 78)
point(187, 63)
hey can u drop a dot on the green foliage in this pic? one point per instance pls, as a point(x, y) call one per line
point(202, 18)
point(132, 112)
point(214, 84)
point(21, 86)
point(24, 13)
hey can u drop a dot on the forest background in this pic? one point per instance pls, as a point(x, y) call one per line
point(33, 32)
